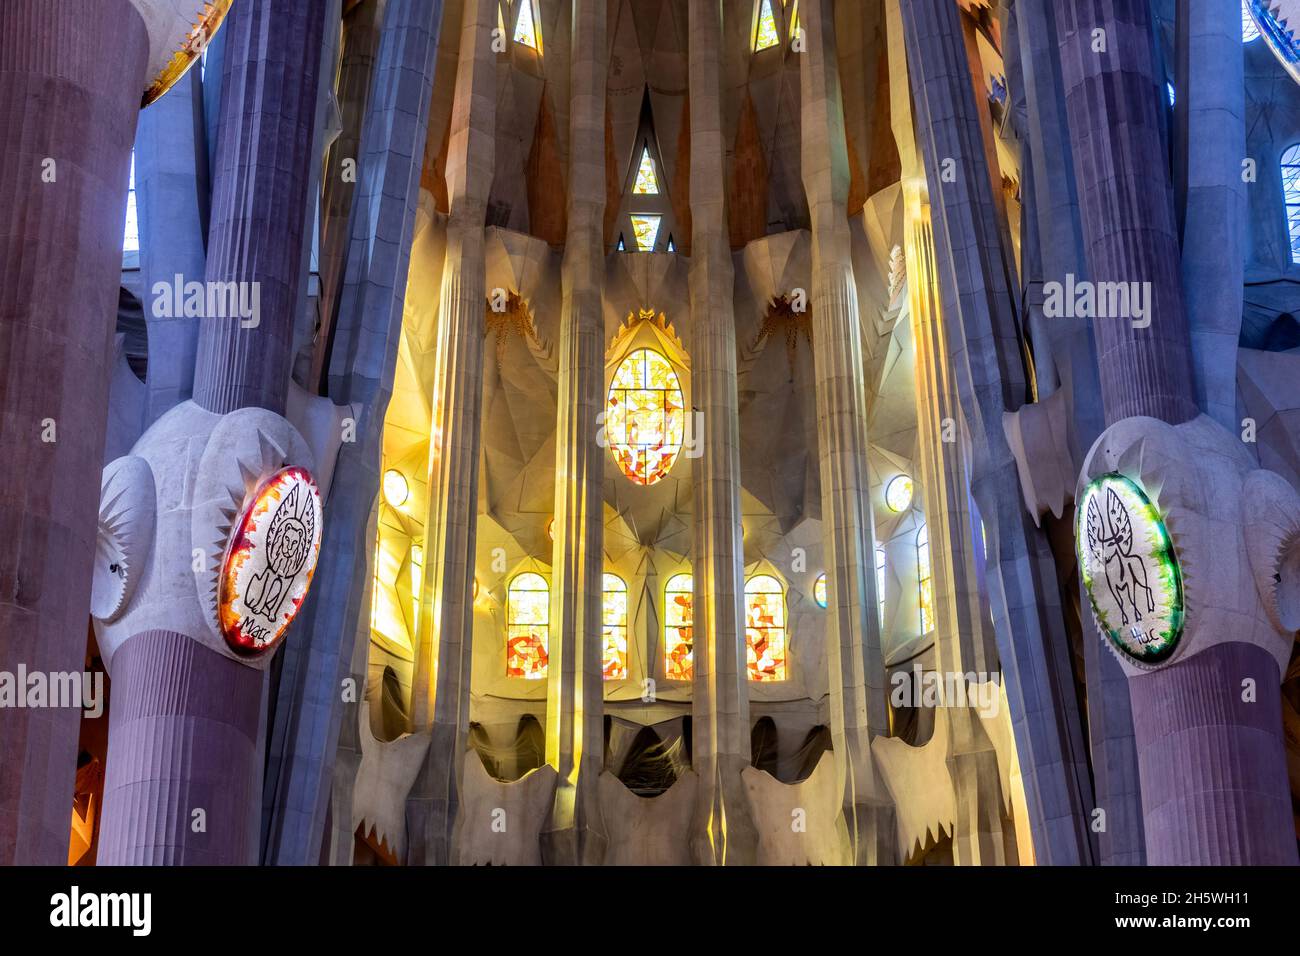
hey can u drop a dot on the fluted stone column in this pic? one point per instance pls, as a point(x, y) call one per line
point(575, 734)
point(976, 276)
point(857, 670)
point(1051, 204)
point(363, 361)
point(70, 89)
point(441, 684)
point(191, 714)
point(171, 237)
point(722, 832)
point(1212, 150)
point(1212, 767)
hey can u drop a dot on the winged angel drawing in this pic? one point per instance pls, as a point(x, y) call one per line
point(1110, 542)
point(287, 545)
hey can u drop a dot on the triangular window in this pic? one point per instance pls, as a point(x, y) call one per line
point(527, 31)
point(647, 183)
point(765, 35)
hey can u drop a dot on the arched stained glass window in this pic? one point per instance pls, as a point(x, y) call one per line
point(765, 34)
point(1291, 194)
point(679, 627)
point(819, 590)
point(924, 579)
point(765, 628)
point(528, 617)
point(645, 420)
point(527, 30)
point(615, 621)
point(880, 583)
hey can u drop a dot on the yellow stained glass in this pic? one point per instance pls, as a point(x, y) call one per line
point(819, 590)
point(924, 579)
point(765, 628)
point(679, 622)
point(647, 183)
point(528, 615)
point(765, 34)
point(645, 229)
point(645, 417)
point(615, 621)
point(795, 26)
point(880, 583)
point(526, 30)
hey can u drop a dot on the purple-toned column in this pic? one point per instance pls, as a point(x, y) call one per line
point(70, 83)
point(185, 757)
point(1209, 736)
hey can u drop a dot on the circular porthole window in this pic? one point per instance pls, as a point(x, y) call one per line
point(898, 493)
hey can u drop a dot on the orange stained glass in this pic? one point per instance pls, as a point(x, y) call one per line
point(645, 418)
point(679, 626)
point(924, 579)
point(765, 628)
point(528, 615)
point(615, 621)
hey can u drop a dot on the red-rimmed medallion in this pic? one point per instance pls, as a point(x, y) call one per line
point(269, 561)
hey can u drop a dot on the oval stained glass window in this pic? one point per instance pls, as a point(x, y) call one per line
point(645, 416)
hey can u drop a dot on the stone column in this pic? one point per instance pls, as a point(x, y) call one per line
point(171, 237)
point(186, 733)
point(976, 275)
point(964, 641)
point(1212, 149)
point(575, 733)
point(1051, 199)
point(722, 832)
point(363, 357)
point(1212, 768)
point(441, 684)
point(69, 97)
point(857, 670)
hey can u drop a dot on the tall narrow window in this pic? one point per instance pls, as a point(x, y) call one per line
point(527, 31)
point(615, 620)
point(131, 235)
point(795, 26)
point(765, 628)
point(765, 34)
point(528, 617)
point(679, 627)
point(1291, 193)
point(924, 579)
point(1248, 29)
point(645, 420)
point(819, 590)
point(880, 583)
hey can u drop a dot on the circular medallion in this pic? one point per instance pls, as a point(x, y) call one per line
point(179, 32)
point(1130, 569)
point(269, 561)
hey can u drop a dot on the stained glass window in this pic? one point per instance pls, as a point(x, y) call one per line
point(898, 493)
point(1291, 192)
point(615, 621)
point(526, 29)
point(765, 34)
point(1248, 29)
point(765, 628)
point(679, 622)
point(647, 183)
point(795, 26)
point(131, 235)
point(645, 420)
point(924, 579)
point(880, 583)
point(819, 590)
point(645, 229)
point(528, 615)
